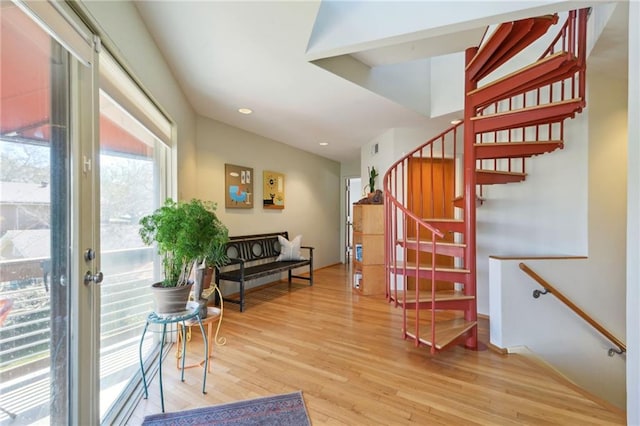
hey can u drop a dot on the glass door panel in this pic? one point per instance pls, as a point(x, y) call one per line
point(35, 277)
point(129, 188)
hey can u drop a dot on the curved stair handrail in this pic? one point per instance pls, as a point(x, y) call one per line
point(401, 220)
point(390, 192)
point(549, 288)
point(390, 186)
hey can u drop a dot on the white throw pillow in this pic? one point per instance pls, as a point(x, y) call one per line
point(290, 250)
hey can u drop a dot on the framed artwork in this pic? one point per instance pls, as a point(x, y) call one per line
point(273, 190)
point(238, 182)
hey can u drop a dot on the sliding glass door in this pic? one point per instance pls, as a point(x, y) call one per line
point(130, 185)
point(77, 172)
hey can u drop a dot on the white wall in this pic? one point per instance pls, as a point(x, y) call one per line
point(607, 98)
point(407, 83)
point(380, 160)
point(350, 168)
point(549, 329)
point(312, 188)
point(542, 216)
point(596, 284)
point(126, 30)
point(633, 221)
point(447, 84)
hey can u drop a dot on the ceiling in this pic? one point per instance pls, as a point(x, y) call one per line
point(268, 56)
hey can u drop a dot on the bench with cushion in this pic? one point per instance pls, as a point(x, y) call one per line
point(256, 256)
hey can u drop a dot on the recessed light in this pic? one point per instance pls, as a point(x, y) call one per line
point(457, 121)
point(245, 110)
point(324, 143)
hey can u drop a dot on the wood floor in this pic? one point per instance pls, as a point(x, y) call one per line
point(346, 354)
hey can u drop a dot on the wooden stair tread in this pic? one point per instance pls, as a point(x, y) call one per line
point(425, 296)
point(459, 201)
point(410, 265)
point(523, 69)
point(495, 150)
point(443, 222)
point(438, 243)
point(545, 71)
point(496, 177)
point(506, 41)
point(446, 224)
point(442, 247)
point(529, 116)
point(488, 48)
point(446, 332)
point(526, 109)
point(500, 172)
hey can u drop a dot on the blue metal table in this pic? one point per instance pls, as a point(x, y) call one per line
point(191, 313)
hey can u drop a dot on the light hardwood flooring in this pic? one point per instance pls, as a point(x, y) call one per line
point(346, 354)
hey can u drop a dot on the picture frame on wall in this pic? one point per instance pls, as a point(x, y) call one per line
point(238, 182)
point(273, 190)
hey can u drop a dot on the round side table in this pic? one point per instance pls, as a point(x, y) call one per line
point(192, 313)
point(213, 316)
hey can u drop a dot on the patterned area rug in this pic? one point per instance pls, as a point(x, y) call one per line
point(287, 409)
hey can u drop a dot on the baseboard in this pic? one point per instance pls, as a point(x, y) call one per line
point(497, 349)
point(330, 266)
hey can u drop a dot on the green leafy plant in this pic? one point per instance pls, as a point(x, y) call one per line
point(373, 174)
point(185, 233)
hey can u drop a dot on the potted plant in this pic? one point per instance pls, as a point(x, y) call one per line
point(373, 174)
point(185, 233)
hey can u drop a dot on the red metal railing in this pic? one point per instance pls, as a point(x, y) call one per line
point(406, 209)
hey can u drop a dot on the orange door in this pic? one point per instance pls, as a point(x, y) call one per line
point(431, 193)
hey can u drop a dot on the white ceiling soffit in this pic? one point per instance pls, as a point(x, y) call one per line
point(385, 46)
point(400, 72)
point(257, 54)
point(407, 83)
point(348, 27)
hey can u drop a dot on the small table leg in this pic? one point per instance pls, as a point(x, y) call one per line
point(209, 344)
point(144, 379)
point(164, 330)
point(184, 348)
point(206, 355)
point(209, 322)
point(178, 320)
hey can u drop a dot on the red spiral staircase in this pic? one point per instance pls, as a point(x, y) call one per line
point(432, 193)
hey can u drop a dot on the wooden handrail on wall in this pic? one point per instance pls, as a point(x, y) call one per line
point(564, 299)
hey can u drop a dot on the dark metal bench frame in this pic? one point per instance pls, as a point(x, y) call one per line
point(254, 256)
